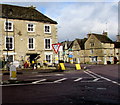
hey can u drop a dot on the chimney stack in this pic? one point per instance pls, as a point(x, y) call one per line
point(118, 38)
point(105, 33)
point(32, 6)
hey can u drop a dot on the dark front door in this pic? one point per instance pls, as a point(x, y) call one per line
point(32, 57)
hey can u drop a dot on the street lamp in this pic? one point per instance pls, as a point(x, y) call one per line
point(6, 28)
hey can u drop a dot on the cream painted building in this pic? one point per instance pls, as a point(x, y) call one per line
point(26, 34)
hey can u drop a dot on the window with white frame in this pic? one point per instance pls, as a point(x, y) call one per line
point(8, 26)
point(47, 29)
point(31, 43)
point(9, 43)
point(10, 58)
point(47, 44)
point(30, 27)
point(48, 58)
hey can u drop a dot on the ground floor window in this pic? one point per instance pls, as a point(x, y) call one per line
point(74, 59)
point(48, 58)
point(10, 58)
point(94, 59)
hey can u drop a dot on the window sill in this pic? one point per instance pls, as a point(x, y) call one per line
point(47, 33)
point(9, 31)
point(31, 31)
point(8, 50)
point(31, 49)
point(47, 49)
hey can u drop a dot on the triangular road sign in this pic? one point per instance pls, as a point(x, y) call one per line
point(56, 47)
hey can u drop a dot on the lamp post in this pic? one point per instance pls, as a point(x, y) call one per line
point(6, 28)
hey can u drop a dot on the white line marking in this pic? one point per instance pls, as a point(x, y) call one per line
point(96, 79)
point(91, 81)
point(107, 79)
point(101, 88)
point(60, 80)
point(77, 79)
point(25, 84)
point(90, 74)
point(59, 74)
point(39, 81)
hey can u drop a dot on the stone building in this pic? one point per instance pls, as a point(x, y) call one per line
point(26, 34)
point(99, 48)
point(96, 49)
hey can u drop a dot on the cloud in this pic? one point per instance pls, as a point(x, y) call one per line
point(75, 20)
point(60, 1)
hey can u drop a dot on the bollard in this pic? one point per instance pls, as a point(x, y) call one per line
point(62, 66)
point(78, 67)
point(13, 74)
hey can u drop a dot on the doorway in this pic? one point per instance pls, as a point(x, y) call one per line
point(32, 57)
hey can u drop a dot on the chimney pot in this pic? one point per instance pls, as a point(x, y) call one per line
point(118, 38)
point(105, 33)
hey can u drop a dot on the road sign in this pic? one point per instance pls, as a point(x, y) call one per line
point(56, 47)
point(70, 56)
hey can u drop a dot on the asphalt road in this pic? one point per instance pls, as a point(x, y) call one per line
point(98, 85)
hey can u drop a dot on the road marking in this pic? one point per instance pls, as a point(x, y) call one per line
point(77, 79)
point(107, 79)
point(90, 74)
point(91, 81)
point(59, 74)
point(60, 80)
point(101, 88)
point(96, 79)
point(25, 84)
point(39, 81)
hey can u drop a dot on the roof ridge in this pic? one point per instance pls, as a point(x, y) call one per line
point(24, 13)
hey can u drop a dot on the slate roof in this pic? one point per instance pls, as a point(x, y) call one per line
point(81, 43)
point(24, 13)
point(102, 38)
point(68, 44)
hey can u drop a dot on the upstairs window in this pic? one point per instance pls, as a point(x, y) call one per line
point(47, 29)
point(48, 44)
point(92, 44)
point(9, 43)
point(30, 27)
point(31, 44)
point(8, 26)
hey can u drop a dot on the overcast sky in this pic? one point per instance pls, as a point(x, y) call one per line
point(77, 19)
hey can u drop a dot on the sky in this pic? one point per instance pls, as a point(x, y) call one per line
point(77, 18)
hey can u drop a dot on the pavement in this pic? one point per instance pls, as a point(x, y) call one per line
point(21, 73)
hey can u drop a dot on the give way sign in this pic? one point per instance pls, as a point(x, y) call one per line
point(56, 47)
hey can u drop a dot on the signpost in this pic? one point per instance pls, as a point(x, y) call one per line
point(56, 47)
point(56, 50)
